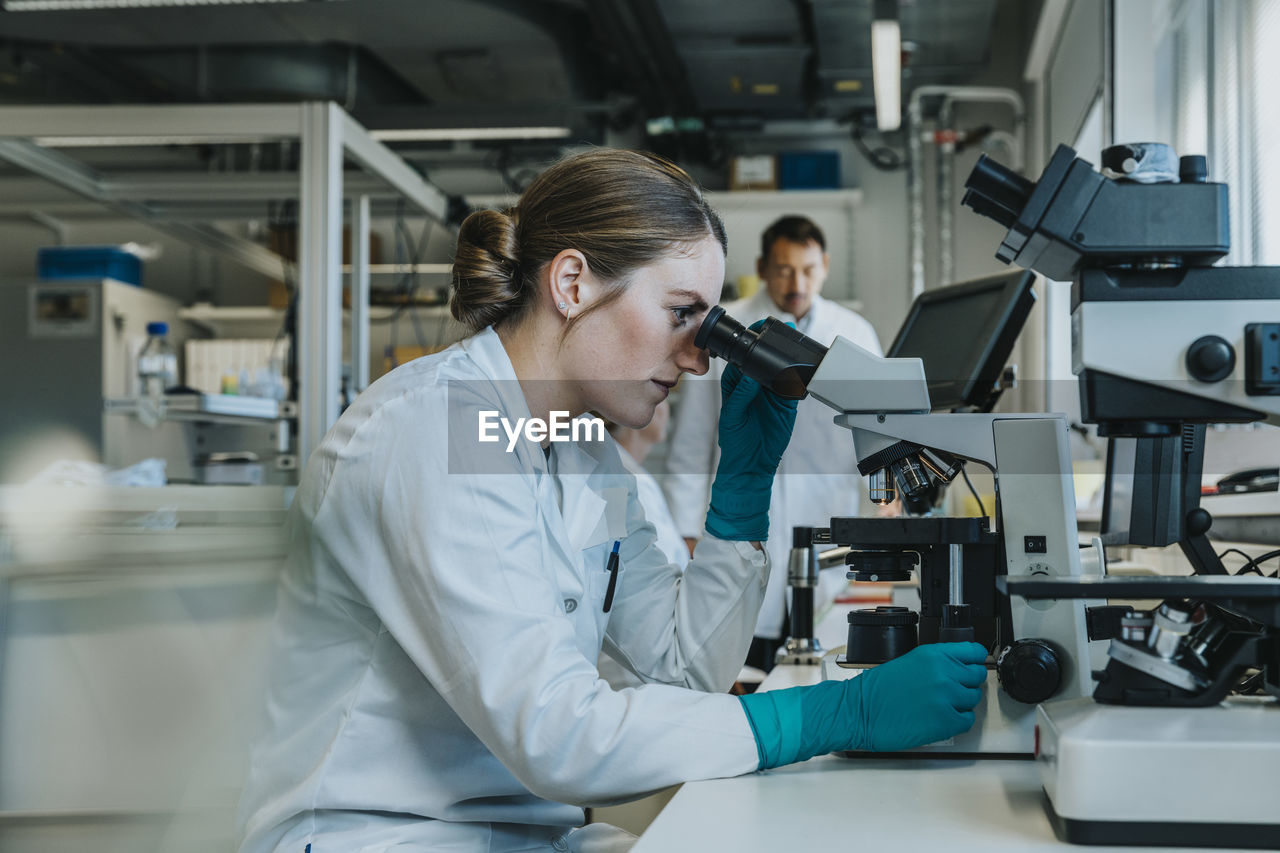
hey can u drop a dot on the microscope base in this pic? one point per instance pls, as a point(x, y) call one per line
point(1184, 777)
point(1002, 727)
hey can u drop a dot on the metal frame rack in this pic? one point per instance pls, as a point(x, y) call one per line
point(328, 137)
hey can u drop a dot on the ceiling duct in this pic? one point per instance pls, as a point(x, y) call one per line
point(347, 74)
point(946, 42)
point(638, 35)
point(370, 56)
point(752, 61)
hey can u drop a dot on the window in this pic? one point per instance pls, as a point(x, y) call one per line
point(1244, 125)
point(1200, 76)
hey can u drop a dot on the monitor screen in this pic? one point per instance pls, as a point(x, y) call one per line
point(1148, 489)
point(1117, 490)
point(964, 334)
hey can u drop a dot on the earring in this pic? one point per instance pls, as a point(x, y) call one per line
point(561, 306)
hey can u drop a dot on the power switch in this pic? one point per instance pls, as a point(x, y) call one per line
point(1035, 545)
point(1262, 359)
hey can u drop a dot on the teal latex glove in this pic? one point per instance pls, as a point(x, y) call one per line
point(755, 426)
point(926, 695)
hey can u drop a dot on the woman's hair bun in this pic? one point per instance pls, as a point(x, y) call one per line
point(487, 284)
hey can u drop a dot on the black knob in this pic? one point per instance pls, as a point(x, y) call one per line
point(1030, 671)
point(1193, 169)
point(957, 624)
point(1198, 521)
point(1210, 358)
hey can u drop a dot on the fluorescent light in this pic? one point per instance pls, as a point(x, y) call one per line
point(68, 5)
point(886, 71)
point(445, 134)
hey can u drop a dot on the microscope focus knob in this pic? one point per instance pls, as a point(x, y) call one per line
point(1211, 358)
point(1030, 671)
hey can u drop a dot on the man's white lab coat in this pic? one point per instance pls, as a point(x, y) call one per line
point(818, 476)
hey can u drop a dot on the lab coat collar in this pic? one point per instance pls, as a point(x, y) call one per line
point(583, 506)
point(486, 350)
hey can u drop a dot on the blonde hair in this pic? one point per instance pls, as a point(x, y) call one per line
point(622, 209)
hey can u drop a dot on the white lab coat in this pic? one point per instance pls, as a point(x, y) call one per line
point(656, 510)
point(669, 541)
point(818, 475)
point(433, 677)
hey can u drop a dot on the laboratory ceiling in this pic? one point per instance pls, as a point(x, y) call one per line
point(586, 64)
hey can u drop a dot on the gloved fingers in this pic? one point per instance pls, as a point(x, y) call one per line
point(964, 652)
point(964, 721)
point(964, 698)
point(736, 407)
point(782, 408)
point(729, 380)
point(972, 675)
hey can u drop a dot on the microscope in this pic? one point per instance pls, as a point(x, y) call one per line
point(1180, 742)
point(906, 441)
point(1177, 740)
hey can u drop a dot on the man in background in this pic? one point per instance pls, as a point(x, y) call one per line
point(818, 476)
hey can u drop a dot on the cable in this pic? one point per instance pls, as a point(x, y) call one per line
point(514, 181)
point(883, 158)
point(981, 506)
point(1247, 558)
point(1252, 565)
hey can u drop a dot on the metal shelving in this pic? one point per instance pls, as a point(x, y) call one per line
point(327, 138)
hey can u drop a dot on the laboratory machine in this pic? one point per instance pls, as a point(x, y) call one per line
point(1174, 739)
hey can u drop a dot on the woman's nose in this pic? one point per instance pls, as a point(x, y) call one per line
point(693, 359)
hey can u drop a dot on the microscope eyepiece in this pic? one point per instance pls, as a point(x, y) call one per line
point(773, 353)
point(997, 192)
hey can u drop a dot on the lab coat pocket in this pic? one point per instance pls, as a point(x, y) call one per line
point(598, 579)
point(584, 518)
point(595, 518)
point(597, 562)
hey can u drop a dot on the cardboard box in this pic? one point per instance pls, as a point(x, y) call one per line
point(753, 172)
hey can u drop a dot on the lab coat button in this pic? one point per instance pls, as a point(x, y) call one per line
point(570, 605)
point(558, 843)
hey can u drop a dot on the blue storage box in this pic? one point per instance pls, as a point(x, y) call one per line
point(809, 170)
point(89, 262)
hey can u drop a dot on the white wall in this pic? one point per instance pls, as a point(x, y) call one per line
point(1075, 75)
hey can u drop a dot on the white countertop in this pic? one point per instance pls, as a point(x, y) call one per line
point(833, 803)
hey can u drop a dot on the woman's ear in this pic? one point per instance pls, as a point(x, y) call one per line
point(573, 287)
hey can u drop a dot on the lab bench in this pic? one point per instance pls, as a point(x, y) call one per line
point(835, 803)
point(134, 625)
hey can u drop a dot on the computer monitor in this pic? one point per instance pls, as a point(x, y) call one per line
point(1117, 491)
point(1151, 482)
point(964, 334)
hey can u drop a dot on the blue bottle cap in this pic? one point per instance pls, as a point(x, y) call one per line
point(157, 328)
